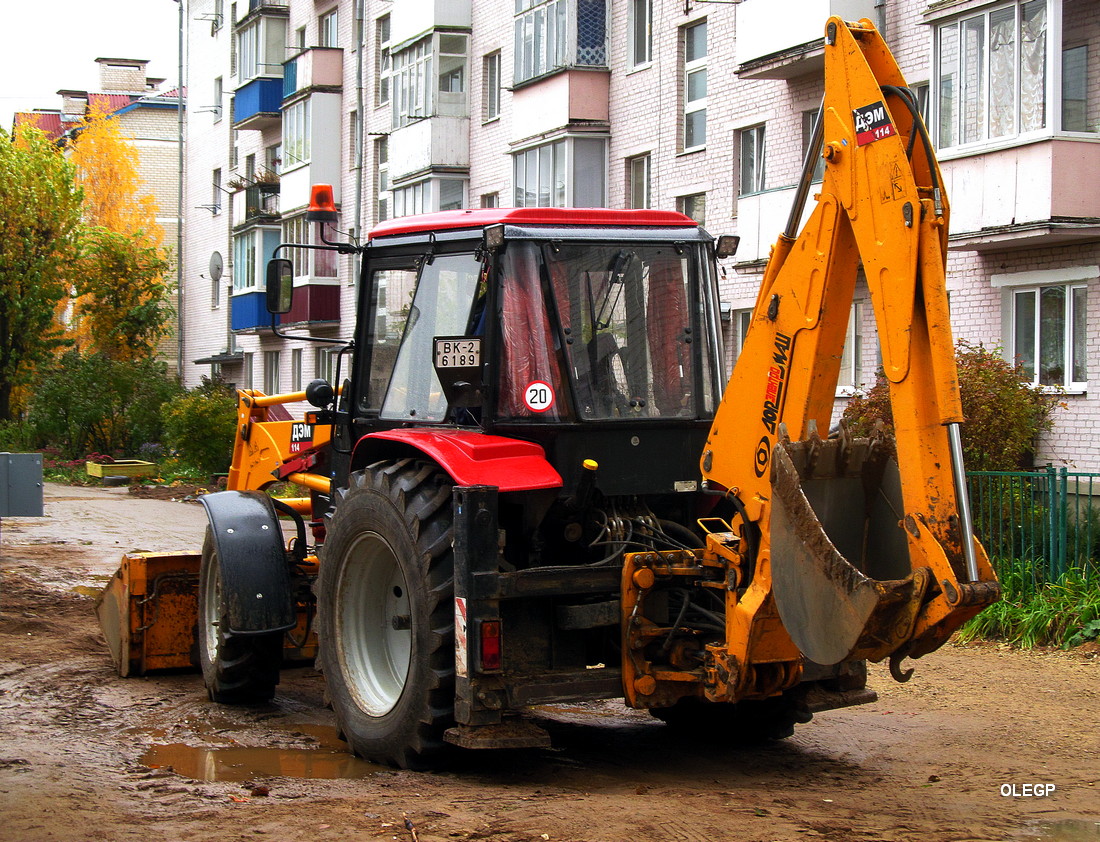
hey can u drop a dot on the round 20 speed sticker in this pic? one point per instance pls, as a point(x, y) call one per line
point(538, 396)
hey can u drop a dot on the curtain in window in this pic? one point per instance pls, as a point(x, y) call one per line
point(1033, 50)
point(1002, 72)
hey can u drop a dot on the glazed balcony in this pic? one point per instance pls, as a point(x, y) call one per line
point(768, 48)
point(317, 68)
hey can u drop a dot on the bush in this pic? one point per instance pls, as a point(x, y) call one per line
point(1004, 415)
point(200, 426)
point(89, 403)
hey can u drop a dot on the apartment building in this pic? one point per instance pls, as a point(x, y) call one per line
point(409, 106)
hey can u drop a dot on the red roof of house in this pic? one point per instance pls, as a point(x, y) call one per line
point(110, 103)
point(48, 121)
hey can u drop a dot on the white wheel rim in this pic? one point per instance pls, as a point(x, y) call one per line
point(370, 594)
point(211, 600)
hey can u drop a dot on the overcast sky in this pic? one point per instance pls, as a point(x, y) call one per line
point(53, 44)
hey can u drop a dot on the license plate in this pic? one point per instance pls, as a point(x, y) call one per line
point(457, 353)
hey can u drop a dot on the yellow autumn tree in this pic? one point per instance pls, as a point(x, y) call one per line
point(120, 307)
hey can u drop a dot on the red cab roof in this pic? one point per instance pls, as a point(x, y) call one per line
point(480, 217)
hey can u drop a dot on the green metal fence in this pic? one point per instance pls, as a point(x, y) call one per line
point(1048, 518)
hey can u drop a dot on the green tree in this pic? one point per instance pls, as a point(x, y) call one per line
point(1004, 415)
point(91, 403)
point(121, 293)
point(200, 426)
point(120, 307)
point(39, 215)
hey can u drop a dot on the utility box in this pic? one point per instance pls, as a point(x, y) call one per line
point(21, 485)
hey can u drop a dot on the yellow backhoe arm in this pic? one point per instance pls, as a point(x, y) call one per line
point(864, 558)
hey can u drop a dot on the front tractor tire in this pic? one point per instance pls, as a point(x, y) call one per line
point(386, 612)
point(238, 669)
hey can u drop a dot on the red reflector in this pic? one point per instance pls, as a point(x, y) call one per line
point(490, 645)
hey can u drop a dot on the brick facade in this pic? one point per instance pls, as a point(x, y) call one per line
point(645, 111)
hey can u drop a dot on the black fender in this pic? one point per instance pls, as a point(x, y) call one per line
point(255, 573)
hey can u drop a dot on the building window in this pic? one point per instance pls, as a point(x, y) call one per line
point(431, 194)
point(382, 162)
point(640, 33)
point(490, 200)
point(1048, 334)
point(216, 191)
point(250, 251)
point(324, 364)
point(418, 90)
point(300, 38)
point(739, 329)
point(490, 87)
point(546, 41)
point(638, 188)
point(218, 93)
point(218, 16)
point(808, 120)
point(851, 360)
point(296, 134)
point(271, 372)
point(261, 49)
point(296, 370)
point(695, 85)
point(273, 157)
point(328, 29)
point(308, 263)
point(571, 172)
point(249, 369)
point(1075, 89)
point(991, 74)
point(695, 206)
point(752, 160)
point(382, 60)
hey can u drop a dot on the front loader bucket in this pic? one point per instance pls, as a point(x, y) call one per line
point(148, 612)
point(839, 557)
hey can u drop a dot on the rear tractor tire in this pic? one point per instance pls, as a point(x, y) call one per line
point(238, 669)
point(386, 612)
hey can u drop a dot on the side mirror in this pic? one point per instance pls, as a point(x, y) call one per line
point(280, 286)
point(726, 246)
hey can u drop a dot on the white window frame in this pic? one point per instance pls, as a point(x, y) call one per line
point(639, 34)
point(1019, 285)
point(490, 87)
point(569, 171)
point(808, 119)
point(849, 379)
point(383, 61)
point(328, 28)
point(296, 369)
point(260, 49)
point(428, 194)
point(245, 270)
point(694, 77)
point(384, 202)
point(297, 136)
point(541, 32)
point(639, 193)
point(752, 158)
point(309, 264)
point(272, 372)
point(693, 205)
point(249, 366)
point(951, 130)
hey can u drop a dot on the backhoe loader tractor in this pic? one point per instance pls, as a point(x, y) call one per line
point(532, 483)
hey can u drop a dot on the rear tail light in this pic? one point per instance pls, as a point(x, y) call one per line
point(490, 648)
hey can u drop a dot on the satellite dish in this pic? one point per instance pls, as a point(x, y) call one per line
point(216, 266)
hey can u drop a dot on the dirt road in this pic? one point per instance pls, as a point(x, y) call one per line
point(983, 744)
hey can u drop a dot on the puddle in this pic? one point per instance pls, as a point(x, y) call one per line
point(330, 759)
point(1068, 830)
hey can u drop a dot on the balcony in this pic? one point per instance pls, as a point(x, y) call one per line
point(410, 19)
point(317, 68)
point(279, 8)
point(248, 311)
point(760, 219)
point(1046, 193)
point(256, 104)
point(561, 100)
point(768, 49)
point(318, 302)
point(438, 142)
point(256, 204)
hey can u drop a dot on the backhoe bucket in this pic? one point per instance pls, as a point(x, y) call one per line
point(148, 612)
point(840, 562)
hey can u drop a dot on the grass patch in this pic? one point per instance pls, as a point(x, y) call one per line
point(1031, 612)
